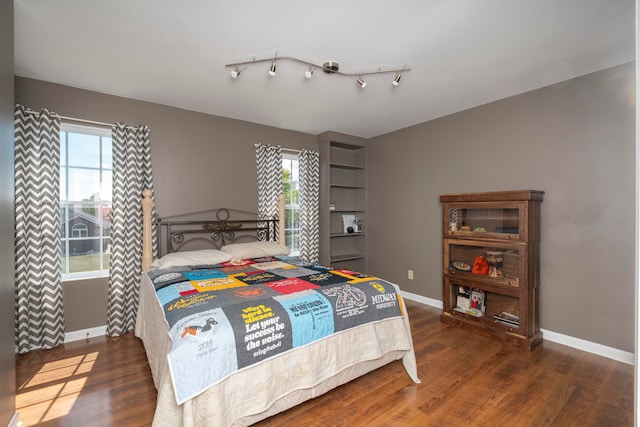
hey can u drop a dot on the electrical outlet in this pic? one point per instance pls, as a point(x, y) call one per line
point(410, 274)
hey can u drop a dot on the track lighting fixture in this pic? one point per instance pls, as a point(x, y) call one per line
point(329, 67)
point(236, 72)
point(272, 70)
point(309, 73)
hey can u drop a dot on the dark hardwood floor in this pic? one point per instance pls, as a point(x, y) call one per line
point(467, 380)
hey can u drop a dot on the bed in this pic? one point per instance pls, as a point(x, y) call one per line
point(276, 362)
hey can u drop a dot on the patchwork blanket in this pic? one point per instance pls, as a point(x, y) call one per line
point(225, 317)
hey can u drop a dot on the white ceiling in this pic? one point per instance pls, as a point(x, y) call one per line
point(462, 53)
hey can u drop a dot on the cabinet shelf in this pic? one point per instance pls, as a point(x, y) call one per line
point(491, 263)
point(485, 283)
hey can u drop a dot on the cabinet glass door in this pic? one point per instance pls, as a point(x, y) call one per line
point(488, 262)
point(502, 222)
point(495, 309)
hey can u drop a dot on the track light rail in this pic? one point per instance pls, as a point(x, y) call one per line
point(329, 67)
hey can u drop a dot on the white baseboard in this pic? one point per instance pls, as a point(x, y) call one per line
point(588, 346)
point(15, 420)
point(577, 343)
point(85, 334)
point(424, 300)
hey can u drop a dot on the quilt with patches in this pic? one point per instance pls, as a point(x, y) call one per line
point(225, 317)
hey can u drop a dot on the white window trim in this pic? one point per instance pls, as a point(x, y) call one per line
point(87, 130)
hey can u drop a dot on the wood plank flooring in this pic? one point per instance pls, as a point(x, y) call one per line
point(467, 380)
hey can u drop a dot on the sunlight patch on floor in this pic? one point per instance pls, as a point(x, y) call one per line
point(52, 392)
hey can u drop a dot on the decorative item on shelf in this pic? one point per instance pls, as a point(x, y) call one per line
point(461, 266)
point(358, 225)
point(350, 230)
point(348, 222)
point(495, 260)
point(332, 207)
point(479, 230)
point(480, 266)
point(465, 228)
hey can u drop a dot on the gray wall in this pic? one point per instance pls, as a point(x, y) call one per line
point(576, 142)
point(573, 140)
point(196, 162)
point(7, 346)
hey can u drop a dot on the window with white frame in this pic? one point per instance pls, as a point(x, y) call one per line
point(290, 179)
point(86, 173)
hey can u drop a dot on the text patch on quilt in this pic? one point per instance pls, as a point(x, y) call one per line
point(262, 329)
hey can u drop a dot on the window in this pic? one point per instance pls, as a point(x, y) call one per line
point(290, 179)
point(79, 230)
point(86, 170)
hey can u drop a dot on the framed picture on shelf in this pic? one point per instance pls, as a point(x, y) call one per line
point(476, 302)
point(463, 301)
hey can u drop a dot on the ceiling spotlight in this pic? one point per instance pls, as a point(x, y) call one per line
point(309, 73)
point(236, 72)
point(361, 82)
point(396, 81)
point(272, 70)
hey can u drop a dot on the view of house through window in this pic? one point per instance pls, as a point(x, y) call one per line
point(86, 169)
point(290, 188)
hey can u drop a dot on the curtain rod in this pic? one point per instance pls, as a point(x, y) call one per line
point(75, 119)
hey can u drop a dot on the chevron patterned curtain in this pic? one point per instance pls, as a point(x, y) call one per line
point(39, 310)
point(269, 163)
point(309, 205)
point(131, 175)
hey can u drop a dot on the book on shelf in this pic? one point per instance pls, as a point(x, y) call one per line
point(507, 319)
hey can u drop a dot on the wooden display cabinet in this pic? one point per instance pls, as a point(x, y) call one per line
point(491, 254)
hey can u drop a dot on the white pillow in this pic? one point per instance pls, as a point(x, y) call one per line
point(201, 257)
point(242, 251)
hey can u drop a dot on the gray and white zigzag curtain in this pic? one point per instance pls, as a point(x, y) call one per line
point(39, 310)
point(309, 164)
point(269, 165)
point(131, 175)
